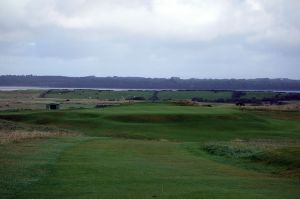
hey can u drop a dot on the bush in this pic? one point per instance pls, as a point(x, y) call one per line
point(185, 103)
point(229, 151)
point(197, 99)
point(135, 98)
point(238, 94)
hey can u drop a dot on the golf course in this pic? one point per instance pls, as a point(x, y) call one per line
point(151, 150)
point(149, 99)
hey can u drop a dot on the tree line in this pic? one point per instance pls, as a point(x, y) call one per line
point(150, 83)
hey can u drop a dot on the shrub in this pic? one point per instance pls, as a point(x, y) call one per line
point(229, 151)
point(139, 98)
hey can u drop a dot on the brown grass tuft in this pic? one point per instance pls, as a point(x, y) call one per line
point(16, 136)
point(287, 107)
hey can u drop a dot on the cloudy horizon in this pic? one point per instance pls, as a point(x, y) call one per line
point(151, 38)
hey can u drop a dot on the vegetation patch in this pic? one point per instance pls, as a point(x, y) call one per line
point(150, 118)
point(142, 155)
point(25, 163)
point(14, 132)
point(16, 136)
point(284, 155)
point(134, 169)
point(185, 103)
point(163, 121)
point(230, 151)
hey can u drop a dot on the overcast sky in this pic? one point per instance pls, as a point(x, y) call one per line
point(151, 38)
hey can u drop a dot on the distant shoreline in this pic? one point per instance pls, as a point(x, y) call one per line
point(141, 83)
point(16, 88)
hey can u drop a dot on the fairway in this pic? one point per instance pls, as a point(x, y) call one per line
point(155, 150)
point(149, 99)
point(109, 168)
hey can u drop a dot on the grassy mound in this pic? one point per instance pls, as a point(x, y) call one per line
point(165, 121)
point(151, 164)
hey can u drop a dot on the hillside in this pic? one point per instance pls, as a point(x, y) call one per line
point(150, 83)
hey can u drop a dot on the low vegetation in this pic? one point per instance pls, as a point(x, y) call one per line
point(178, 149)
point(16, 136)
point(82, 98)
point(283, 155)
point(11, 132)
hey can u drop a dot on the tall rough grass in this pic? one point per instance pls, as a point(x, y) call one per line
point(231, 151)
point(281, 153)
point(16, 136)
point(287, 107)
point(15, 132)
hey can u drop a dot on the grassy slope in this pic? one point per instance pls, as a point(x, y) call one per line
point(120, 168)
point(145, 169)
point(166, 121)
point(25, 163)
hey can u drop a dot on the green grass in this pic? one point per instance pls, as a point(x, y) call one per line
point(97, 94)
point(165, 121)
point(25, 94)
point(162, 95)
point(155, 150)
point(205, 95)
point(25, 163)
point(286, 156)
point(150, 169)
point(119, 95)
point(260, 94)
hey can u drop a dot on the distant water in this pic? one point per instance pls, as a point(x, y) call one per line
point(277, 91)
point(15, 88)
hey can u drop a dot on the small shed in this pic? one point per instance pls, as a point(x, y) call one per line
point(52, 106)
point(240, 104)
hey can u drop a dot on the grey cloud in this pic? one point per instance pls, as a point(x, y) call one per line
point(188, 38)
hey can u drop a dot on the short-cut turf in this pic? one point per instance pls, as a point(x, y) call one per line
point(168, 121)
point(101, 168)
point(160, 162)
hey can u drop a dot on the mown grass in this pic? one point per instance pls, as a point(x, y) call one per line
point(25, 163)
point(251, 154)
point(165, 121)
point(150, 169)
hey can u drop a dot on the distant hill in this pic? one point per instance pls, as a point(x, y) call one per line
point(150, 83)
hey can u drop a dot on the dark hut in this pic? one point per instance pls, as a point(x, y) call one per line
point(52, 106)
